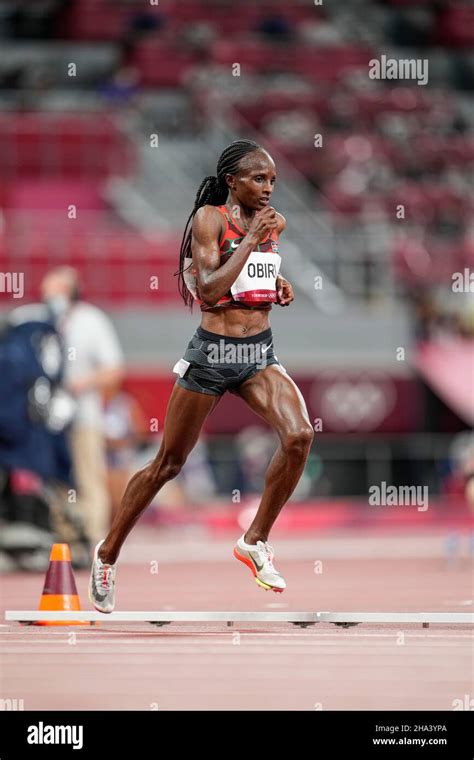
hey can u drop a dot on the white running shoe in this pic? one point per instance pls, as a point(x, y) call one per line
point(259, 558)
point(102, 583)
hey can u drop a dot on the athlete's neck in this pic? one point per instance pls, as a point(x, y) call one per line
point(241, 214)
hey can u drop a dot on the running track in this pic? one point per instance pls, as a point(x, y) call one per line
point(251, 666)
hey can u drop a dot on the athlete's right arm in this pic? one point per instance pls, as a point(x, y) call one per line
point(213, 280)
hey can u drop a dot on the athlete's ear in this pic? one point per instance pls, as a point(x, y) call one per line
point(230, 179)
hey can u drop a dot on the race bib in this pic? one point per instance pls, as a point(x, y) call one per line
point(257, 281)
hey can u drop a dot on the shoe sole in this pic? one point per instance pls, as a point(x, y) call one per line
point(250, 564)
point(104, 612)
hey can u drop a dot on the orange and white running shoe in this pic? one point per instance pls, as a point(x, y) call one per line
point(259, 558)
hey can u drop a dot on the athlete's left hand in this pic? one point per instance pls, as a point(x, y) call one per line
point(284, 291)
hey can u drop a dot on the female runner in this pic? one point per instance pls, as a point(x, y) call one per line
point(229, 265)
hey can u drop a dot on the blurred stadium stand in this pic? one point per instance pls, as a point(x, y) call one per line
point(84, 86)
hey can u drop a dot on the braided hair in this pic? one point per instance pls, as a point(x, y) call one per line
point(214, 191)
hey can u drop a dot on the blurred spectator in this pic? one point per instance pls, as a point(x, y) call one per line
point(140, 24)
point(256, 447)
point(194, 486)
point(197, 476)
point(276, 27)
point(320, 33)
point(34, 456)
point(34, 20)
point(94, 363)
point(293, 127)
point(411, 27)
point(122, 88)
point(460, 481)
point(198, 37)
point(126, 429)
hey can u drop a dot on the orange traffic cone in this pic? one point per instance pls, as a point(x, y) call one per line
point(59, 591)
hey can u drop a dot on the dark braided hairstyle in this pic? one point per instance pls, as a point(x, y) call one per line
point(212, 191)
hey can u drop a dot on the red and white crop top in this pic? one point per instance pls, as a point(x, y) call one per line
point(255, 287)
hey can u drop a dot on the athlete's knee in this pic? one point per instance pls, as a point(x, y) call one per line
point(298, 440)
point(167, 468)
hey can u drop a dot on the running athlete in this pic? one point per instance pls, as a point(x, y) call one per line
point(229, 265)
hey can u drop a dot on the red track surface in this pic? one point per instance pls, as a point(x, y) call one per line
point(250, 666)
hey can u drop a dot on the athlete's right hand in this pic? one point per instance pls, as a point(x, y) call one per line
point(264, 221)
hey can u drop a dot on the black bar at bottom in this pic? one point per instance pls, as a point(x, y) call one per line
point(314, 734)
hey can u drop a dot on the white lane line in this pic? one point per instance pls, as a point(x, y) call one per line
point(166, 632)
point(152, 638)
point(249, 646)
point(155, 635)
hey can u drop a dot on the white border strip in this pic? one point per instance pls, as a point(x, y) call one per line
point(232, 616)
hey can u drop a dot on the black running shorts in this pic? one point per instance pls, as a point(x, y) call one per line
point(214, 364)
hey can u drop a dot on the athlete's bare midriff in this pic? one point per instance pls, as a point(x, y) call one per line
point(235, 323)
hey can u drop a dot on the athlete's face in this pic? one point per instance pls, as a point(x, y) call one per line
point(252, 185)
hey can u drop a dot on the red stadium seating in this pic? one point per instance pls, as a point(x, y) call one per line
point(456, 26)
point(95, 20)
point(161, 65)
point(75, 153)
point(62, 145)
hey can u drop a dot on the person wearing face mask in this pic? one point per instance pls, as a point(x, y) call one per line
point(93, 363)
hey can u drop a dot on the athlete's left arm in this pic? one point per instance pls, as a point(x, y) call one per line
point(284, 290)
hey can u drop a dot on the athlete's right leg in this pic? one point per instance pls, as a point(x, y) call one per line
point(185, 415)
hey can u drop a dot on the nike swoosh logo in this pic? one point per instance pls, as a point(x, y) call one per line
point(97, 596)
point(259, 567)
point(234, 244)
point(265, 349)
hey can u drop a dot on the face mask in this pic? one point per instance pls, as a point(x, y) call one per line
point(58, 305)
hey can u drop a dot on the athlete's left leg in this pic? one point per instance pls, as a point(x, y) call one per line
point(274, 396)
